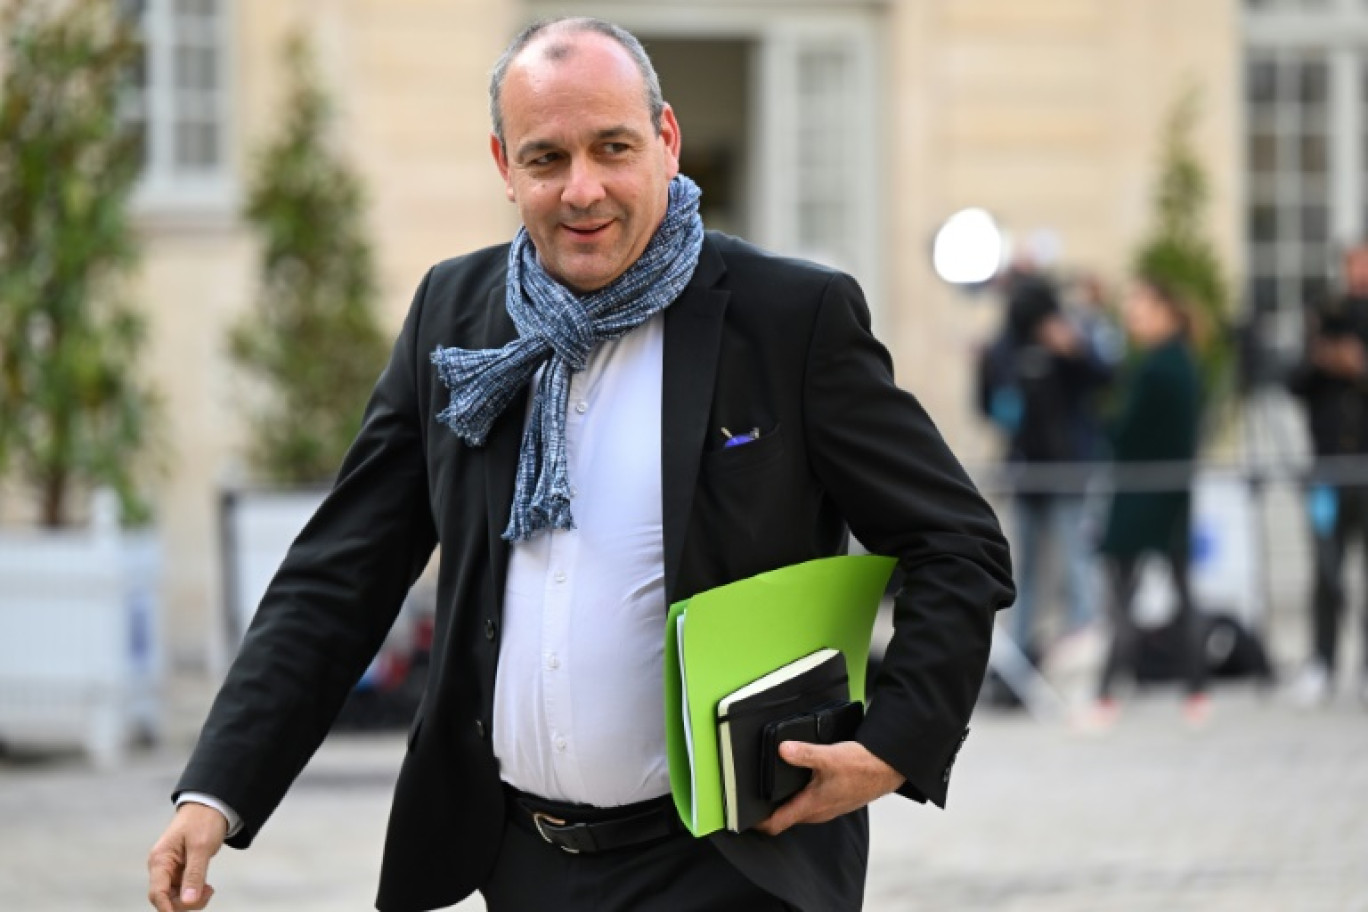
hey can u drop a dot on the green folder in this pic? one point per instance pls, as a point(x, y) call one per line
point(734, 634)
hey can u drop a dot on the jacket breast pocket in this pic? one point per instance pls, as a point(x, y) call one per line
point(752, 504)
point(763, 450)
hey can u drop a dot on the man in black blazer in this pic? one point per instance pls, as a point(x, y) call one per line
point(772, 415)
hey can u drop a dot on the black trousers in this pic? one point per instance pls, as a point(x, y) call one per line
point(1332, 542)
point(1125, 645)
point(676, 874)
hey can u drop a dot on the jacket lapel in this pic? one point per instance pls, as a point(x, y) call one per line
point(501, 450)
point(693, 341)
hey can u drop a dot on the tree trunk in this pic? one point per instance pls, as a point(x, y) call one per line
point(54, 499)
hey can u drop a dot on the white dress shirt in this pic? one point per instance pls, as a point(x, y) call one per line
point(579, 696)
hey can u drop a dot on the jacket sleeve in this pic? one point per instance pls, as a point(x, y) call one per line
point(1130, 429)
point(1305, 380)
point(903, 493)
point(985, 381)
point(328, 609)
point(1159, 418)
point(1086, 369)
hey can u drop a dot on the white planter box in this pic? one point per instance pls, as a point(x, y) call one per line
point(80, 645)
point(258, 527)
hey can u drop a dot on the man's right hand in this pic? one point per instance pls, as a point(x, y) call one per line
point(179, 862)
point(1342, 356)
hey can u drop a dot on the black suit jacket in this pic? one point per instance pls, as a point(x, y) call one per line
point(754, 341)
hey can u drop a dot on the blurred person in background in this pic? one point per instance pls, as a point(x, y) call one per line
point(1039, 383)
point(1332, 383)
point(1157, 422)
point(1091, 314)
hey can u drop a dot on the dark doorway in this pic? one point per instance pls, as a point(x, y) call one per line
point(708, 83)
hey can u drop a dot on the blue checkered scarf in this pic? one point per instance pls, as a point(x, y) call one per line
point(560, 329)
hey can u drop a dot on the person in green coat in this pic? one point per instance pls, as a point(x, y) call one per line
point(1157, 423)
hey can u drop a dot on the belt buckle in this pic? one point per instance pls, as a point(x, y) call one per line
point(539, 818)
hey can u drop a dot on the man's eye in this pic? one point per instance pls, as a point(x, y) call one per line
point(615, 148)
point(541, 161)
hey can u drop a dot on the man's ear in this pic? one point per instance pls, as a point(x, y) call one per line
point(496, 148)
point(670, 135)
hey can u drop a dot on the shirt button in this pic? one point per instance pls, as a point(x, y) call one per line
point(490, 629)
point(574, 491)
point(560, 577)
point(581, 406)
point(560, 744)
point(480, 728)
point(552, 662)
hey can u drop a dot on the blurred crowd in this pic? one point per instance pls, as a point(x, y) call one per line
point(1099, 403)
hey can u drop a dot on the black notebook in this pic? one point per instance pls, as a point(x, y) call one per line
point(806, 700)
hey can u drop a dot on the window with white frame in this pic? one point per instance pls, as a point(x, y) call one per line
point(825, 208)
point(1306, 91)
point(816, 186)
point(1288, 127)
point(178, 98)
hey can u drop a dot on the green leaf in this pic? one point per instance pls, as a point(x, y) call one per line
point(76, 412)
point(1179, 253)
point(311, 347)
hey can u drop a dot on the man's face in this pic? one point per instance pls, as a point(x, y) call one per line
point(1356, 271)
point(580, 157)
point(1147, 317)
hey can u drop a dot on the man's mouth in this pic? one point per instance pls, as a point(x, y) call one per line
point(587, 229)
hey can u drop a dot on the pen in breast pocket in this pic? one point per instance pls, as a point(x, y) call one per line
point(738, 439)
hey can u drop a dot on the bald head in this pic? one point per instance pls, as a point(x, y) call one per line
point(551, 40)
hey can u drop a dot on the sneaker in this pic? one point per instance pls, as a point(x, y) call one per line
point(1312, 687)
point(1197, 711)
point(1074, 663)
point(1099, 718)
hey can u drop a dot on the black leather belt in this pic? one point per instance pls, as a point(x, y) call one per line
point(585, 829)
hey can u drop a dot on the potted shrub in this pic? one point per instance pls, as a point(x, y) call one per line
point(1179, 251)
point(1226, 546)
point(311, 347)
point(78, 620)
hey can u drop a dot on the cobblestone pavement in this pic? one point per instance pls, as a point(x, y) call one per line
point(1266, 809)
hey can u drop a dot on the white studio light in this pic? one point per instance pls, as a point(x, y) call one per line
point(968, 248)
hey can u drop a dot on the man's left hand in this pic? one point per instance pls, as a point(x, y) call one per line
point(845, 777)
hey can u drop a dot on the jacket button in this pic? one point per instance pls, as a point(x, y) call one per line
point(480, 728)
point(490, 629)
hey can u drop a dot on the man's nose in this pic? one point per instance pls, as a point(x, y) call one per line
point(584, 186)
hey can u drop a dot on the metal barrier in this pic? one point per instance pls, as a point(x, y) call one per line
point(80, 655)
point(1253, 548)
point(1090, 477)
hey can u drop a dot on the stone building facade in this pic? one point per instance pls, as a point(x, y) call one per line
point(844, 130)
